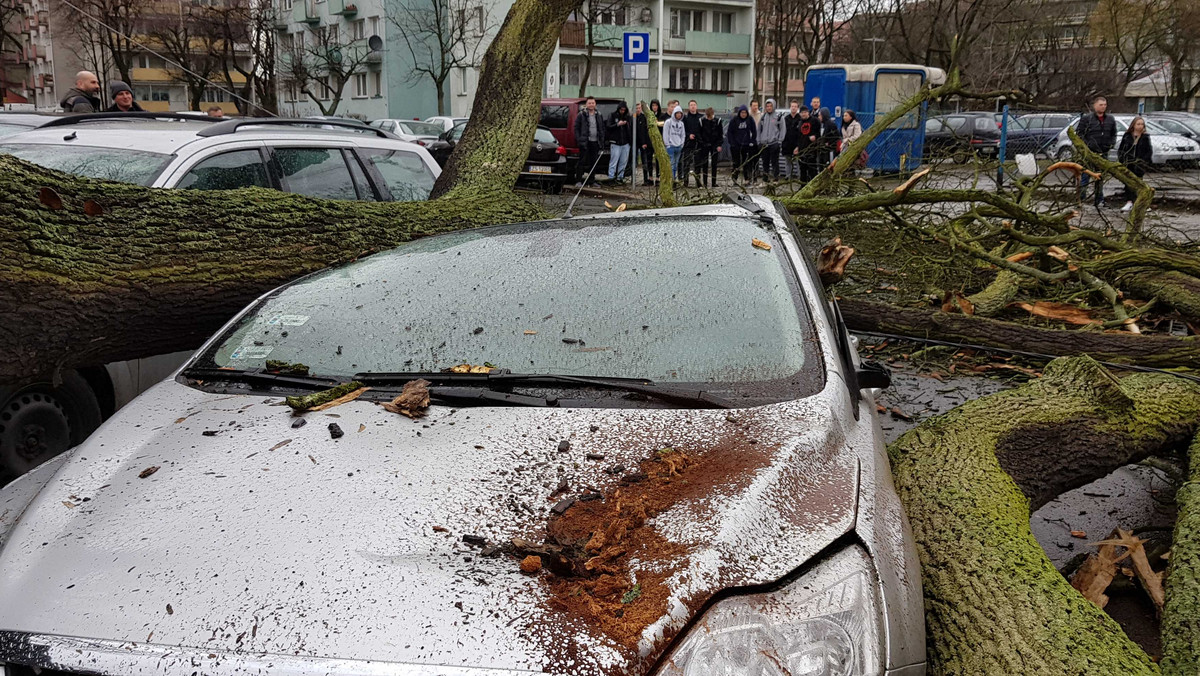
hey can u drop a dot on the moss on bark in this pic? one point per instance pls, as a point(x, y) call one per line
point(160, 270)
point(1181, 614)
point(994, 603)
point(666, 178)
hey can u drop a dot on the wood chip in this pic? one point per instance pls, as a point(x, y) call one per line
point(280, 445)
point(760, 244)
point(148, 471)
point(1058, 311)
point(441, 529)
point(530, 332)
point(1097, 572)
point(412, 401)
point(1017, 258)
point(361, 427)
point(1149, 579)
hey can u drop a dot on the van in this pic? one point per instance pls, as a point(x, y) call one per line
point(558, 115)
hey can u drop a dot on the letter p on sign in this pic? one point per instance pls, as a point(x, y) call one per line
point(637, 48)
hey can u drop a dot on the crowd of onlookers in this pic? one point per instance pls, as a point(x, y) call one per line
point(84, 97)
point(766, 145)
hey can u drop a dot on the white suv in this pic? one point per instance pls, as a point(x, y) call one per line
point(165, 150)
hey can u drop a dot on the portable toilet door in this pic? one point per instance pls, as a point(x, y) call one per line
point(873, 90)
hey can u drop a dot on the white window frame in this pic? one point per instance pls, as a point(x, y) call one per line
point(358, 30)
point(376, 84)
point(360, 86)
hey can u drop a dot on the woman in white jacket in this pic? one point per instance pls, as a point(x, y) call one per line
point(674, 136)
point(851, 129)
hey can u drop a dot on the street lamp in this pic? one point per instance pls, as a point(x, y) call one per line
point(874, 42)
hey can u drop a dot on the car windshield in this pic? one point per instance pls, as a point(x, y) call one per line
point(679, 300)
point(420, 128)
point(456, 131)
point(114, 164)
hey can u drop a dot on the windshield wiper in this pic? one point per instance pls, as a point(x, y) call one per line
point(485, 396)
point(674, 395)
point(261, 378)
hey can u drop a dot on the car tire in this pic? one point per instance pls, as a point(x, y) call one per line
point(554, 187)
point(41, 421)
point(961, 156)
point(1064, 154)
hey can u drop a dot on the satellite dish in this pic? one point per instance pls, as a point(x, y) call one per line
point(375, 43)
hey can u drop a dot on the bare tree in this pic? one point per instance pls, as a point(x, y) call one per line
point(11, 13)
point(191, 43)
point(798, 32)
point(1179, 44)
point(320, 62)
point(598, 12)
point(441, 35)
point(248, 47)
point(113, 47)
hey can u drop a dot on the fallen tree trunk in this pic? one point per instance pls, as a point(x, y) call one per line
point(1181, 615)
point(1121, 348)
point(160, 270)
point(994, 603)
point(1174, 289)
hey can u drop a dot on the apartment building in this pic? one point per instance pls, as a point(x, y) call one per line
point(699, 50)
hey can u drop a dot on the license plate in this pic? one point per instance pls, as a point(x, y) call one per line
point(539, 169)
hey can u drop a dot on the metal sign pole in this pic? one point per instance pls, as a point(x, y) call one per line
point(633, 148)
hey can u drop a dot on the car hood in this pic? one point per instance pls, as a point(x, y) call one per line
point(256, 540)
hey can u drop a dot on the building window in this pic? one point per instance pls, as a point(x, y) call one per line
point(612, 16)
point(686, 79)
point(285, 5)
point(360, 85)
point(374, 25)
point(722, 22)
point(214, 95)
point(377, 84)
point(298, 42)
point(684, 20)
point(462, 81)
point(795, 72)
point(331, 34)
point(358, 30)
point(722, 79)
point(471, 20)
point(146, 93)
point(571, 72)
point(293, 92)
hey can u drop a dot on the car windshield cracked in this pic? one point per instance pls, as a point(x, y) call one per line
point(684, 301)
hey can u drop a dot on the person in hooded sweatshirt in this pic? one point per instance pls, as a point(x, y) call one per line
point(808, 144)
point(770, 138)
point(620, 139)
point(712, 138)
point(742, 136)
point(122, 98)
point(84, 97)
point(658, 113)
point(674, 137)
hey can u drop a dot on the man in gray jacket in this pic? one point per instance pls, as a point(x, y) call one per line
point(84, 97)
point(771, 130)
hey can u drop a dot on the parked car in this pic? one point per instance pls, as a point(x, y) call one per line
point(445, 122)
point(1183, 124)
point(558, 115)
point(165, 151)
point(1035, 132)
point(961, 136)
point(12, 123)
point(546, 166)
point(413, 131)
point(1166, 148)
point(205, 530)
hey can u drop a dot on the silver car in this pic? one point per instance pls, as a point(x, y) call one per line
point(650, 448)
point(1165, 146)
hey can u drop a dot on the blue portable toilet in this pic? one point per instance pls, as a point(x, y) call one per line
point(876, 89)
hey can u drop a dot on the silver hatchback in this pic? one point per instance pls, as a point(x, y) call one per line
point(648, 447)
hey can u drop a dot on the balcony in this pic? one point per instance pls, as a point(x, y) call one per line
point(725, 44)
point(604, 36)
point(346, 8)
point(305, 11)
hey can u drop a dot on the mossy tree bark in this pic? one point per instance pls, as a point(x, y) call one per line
point(994, 603)
point(666, 178)
point(1181, 614)
point(508, 102)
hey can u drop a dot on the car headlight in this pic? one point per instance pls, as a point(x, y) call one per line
point(825, 623)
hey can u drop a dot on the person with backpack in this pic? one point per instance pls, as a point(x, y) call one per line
point(712, 137)
point(742, 136)
point(1136, 153)
point(674, 137)
point(1098, 131)
point(770, 138)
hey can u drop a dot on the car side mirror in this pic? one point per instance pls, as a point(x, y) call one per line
point(872, 375)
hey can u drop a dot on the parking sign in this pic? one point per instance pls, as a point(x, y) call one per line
point(636, 56)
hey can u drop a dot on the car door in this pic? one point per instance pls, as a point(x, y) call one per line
point(226, 166)
point(401, 175)
point(326, 170)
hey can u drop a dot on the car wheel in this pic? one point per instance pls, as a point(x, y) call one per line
point(1064, 153)
point(41, 421)
point(961, 156)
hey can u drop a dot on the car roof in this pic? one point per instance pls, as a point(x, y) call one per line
point(168, 136)
point(29, 119)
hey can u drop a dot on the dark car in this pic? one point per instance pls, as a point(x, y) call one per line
point(558, 115)
point(1183, 124)
point(961, 136)
point(1034, 132)
point(545, 167)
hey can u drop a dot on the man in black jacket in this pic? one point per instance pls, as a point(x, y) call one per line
point(84, 97)
point(712, 138)
point(791, 134)
point(1098, 131)
point(692, 150)
point(590, 137)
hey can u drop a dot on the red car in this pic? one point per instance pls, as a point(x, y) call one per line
point(558, 115)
